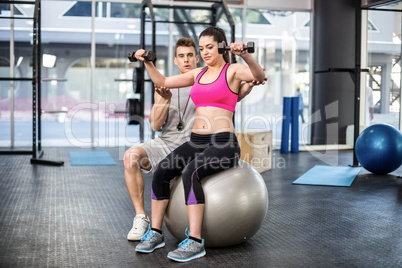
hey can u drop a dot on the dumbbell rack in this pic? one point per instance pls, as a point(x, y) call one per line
point(147, 4)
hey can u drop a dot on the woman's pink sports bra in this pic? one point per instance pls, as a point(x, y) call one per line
point(216, 94)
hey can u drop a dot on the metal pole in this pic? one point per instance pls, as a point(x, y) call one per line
point(170, 51)
point(39, 80)
point(358, 30)
point(400, 85)
point(153, 49)
point(12, 60)
point(35, 81)
point(92, 89)
point(142, 40)
point(364, 62)
point(242, 105)
point(36, 101)
point(232, 26)
point(145, 4)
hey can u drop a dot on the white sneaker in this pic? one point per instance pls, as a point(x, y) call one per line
point(140, 227)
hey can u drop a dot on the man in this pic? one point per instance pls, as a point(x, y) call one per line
point(174, 111)
point(370, 106)
point(301, 104)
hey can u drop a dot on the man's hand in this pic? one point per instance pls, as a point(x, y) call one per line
point(257, 83)
point(164, 92)
point(246, 87)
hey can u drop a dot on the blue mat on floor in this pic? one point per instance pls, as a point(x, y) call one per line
point(329, 176)
point(91, 158)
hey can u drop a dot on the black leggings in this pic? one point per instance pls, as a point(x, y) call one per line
point(202, 156)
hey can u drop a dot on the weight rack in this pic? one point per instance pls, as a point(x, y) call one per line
point(36, 79)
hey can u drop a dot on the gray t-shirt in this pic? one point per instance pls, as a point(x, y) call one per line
point(171, 137)
point(170, 134)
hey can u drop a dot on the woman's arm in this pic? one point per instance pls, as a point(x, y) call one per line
point(243, 73)
point(246, 88)
point(176, 81)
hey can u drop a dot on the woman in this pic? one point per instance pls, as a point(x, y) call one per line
point(213, 146)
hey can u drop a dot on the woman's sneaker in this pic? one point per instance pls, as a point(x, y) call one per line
point(150, 241)
point(188, 250)
point(140, 226)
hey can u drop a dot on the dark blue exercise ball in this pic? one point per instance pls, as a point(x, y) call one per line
point(379, 148)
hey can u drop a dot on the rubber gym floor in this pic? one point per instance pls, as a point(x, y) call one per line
point(79, 216)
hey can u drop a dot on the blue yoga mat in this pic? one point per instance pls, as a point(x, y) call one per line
point(329, 176)
point(91, 158)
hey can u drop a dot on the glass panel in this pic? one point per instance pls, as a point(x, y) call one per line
point(283, 48)
point(5, 86)
point(384, 61)
point(254, 16)
point(184, 15)
point(125, 10)
point(83, 9)
point(5, 10)
point(395, 5)
point(113, 75)
point(66, 83)
point(22, 90)
point(22, 108)
point(23, 113)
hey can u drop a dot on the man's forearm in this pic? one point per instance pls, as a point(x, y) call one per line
point(159, 114)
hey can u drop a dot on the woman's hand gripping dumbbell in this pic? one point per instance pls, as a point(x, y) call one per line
point(144, 55)
point(236, 48)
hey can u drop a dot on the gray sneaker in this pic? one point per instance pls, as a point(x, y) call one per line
point(188, 250)
point(140, 226)
point(150, 241)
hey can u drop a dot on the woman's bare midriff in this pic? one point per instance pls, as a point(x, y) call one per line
point(209, 120)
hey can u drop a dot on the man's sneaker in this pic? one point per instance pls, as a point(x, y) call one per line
point(140, 226)
point(188, 250)
point(150, 241)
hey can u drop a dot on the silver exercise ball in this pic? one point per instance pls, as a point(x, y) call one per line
point(236, 202)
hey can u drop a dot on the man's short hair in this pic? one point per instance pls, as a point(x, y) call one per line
point(185, 42)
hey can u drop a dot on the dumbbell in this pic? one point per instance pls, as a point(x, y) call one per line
point(148, 56)
point(249, 47)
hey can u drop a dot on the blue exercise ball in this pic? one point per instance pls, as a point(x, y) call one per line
point(379, 148)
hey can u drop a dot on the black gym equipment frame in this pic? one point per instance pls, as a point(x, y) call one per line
point(36, 79)
point(215, 16)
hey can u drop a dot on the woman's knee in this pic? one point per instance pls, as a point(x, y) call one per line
point(189, 174)
point(160, 185)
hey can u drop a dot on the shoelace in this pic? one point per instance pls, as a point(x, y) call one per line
point(148, 235)
point(184, 244)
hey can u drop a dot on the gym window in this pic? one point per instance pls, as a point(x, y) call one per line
point(254, 16)
point(371, 26)
point(125, 10)
point(5, 10)
point(105, 10)
point(83, 9)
